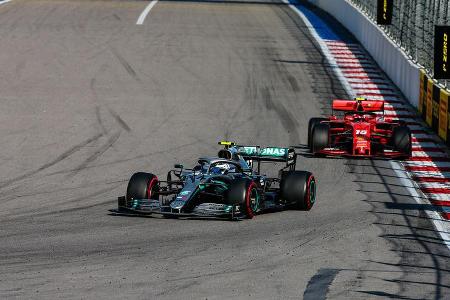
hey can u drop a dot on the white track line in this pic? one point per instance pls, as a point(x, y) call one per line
point(439, 164)
point(426, 154)
point(145, 12)
point(442, 185)
point(369, 85)
point(438, 197)
point(439, 223)
point(425, 174)
point(430, 144)
point(420, 135)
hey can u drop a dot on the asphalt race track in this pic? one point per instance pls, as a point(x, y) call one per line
point(87, 97)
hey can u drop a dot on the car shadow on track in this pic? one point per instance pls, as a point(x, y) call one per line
point(114, 214)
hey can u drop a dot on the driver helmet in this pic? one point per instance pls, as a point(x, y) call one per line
point(360, 98)
point(221, 169)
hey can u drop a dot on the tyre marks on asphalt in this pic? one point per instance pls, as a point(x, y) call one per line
point(97, 153)
point(113, 113)
point(119, 120)
point(130, 70)
point(112, 134)
point(293, 82)
point(61, 157)
point(98, 116)
point(287, 120)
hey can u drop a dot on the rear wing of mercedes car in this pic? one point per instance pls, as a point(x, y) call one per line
point(264, 154)
point(358, 105)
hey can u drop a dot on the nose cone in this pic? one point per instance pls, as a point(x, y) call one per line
point(177, 204)
point(361, 139)
point(362, 150)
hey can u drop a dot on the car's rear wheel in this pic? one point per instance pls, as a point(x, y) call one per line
point(320, 136)
point(311, 124)
point(141, 186)
point(244, 193)
point(298, 188)
point(401, 140)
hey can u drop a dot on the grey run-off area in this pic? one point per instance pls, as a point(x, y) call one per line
point(87, 97)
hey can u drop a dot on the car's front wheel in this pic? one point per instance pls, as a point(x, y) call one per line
point(320, 137)
point(244, 193)
point(141, 186)
point(311, 124)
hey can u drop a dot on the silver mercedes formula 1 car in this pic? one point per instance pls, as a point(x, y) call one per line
point(227, 186)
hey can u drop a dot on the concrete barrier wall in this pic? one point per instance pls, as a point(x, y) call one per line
point(402, 71)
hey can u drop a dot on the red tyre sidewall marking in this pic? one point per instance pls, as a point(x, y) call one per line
point(247, 200)
point(150, 186)
point(308, 192)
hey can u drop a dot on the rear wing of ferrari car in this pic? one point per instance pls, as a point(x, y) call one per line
point(358, 105)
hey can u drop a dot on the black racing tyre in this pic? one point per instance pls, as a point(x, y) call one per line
point(401, 140)
point(298, 189)
point(142, 186)
point(319, 139)
point(312, 123)
point(243, 191)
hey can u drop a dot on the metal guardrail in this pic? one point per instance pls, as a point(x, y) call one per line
point(412, 27)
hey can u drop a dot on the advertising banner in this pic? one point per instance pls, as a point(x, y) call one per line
point(441, 63)
point(443, 115)
point(429, 105)
point(384, 12)
point(422, 93)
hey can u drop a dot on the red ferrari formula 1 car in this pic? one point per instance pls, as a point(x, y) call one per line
point(360, 132)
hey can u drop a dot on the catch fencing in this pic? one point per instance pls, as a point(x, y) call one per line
point(412, 27)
